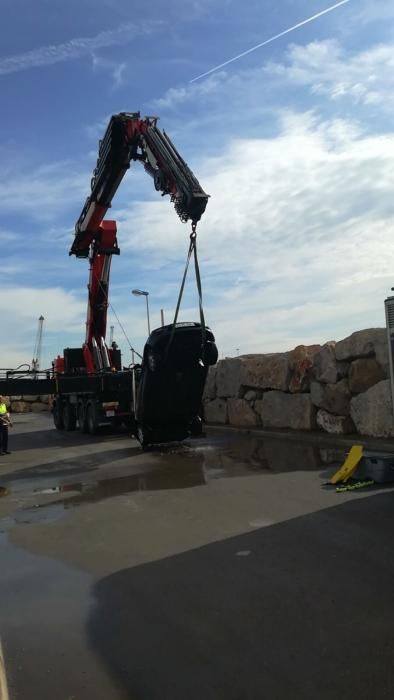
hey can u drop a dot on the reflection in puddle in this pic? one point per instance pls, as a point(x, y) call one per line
point(182, 467)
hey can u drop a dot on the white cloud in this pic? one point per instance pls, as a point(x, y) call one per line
point(114, 68)
point(7, 236)
point(75, 48)
point(376, 11)
point(178, 95)
point(54, 189)
point(20, 308)
point(327, 69)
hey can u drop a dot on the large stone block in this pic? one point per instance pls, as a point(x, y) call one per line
point(265, 371)
point(372, 411)
point(252, 395)
point(228, 377)
point(280, 410)
point(381, 353)
point(338, 425)
point(335, 398)
point(240, 413)
point(326, 369)
point(210, 384)
point(361, 344)
point(30, 398)
point(38, 407)
point(300, 363)
point(364, 373)
point(216, 411)
point(20, 407)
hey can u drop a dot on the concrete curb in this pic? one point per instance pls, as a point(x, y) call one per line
point(3, 678)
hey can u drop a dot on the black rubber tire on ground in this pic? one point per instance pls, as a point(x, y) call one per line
point(82, 423)
point(69, 417)
point(58, 415)
point(92, 419)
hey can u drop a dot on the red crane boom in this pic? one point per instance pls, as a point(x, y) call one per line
point(127, 138)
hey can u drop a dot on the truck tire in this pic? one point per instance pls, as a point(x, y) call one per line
point(143, 435)
point(58, 415)
point(69, 417)
point(92, 419)
point(82, 423)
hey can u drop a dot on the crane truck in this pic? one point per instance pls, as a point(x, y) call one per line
point(91, 387)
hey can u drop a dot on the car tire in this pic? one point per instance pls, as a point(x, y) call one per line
point(211, 353)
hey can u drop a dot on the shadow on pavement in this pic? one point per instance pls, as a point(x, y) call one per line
point(37, 439)
point(299, 610)
point(66, 467)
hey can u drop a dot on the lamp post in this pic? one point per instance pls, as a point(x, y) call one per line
point(141, 293)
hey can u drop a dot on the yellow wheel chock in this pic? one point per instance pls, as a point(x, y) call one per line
point(349, 466)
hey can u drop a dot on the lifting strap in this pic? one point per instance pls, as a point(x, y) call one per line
point(192, 251)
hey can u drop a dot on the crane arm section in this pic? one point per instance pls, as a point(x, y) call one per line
point(129, 138)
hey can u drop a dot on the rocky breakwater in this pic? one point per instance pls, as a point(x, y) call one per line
point(339, 387)
point(28, 404)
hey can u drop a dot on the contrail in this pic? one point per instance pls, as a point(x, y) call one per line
point(74, 48)
point(273, 38)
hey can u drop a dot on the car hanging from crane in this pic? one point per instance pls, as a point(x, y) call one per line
point(160, 399)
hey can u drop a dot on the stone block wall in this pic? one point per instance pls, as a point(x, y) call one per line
point(339, 387)
point(28, 404)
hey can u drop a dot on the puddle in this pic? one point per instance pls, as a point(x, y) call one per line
point(49, 513)
point(171, 467)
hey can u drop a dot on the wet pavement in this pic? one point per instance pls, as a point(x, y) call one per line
point(219, 568)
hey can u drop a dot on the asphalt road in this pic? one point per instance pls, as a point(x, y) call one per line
point(219, 569)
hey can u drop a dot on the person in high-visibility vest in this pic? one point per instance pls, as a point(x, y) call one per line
point(5, 422)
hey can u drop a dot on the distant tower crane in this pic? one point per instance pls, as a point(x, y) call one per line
point(35, 363)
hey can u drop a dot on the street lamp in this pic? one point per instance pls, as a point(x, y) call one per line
point(141, 293)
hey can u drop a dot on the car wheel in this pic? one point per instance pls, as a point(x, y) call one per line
point(210, 353)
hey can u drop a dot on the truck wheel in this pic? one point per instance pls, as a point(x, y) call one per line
point(69, 417)
point(143, 436)
point(58, 415)
point(92, 418)
point(82, 424)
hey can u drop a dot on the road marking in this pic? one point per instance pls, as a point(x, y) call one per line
point(3, 678)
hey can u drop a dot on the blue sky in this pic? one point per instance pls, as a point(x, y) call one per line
point(294, 143)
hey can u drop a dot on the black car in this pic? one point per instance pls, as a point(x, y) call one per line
point(171, 382)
